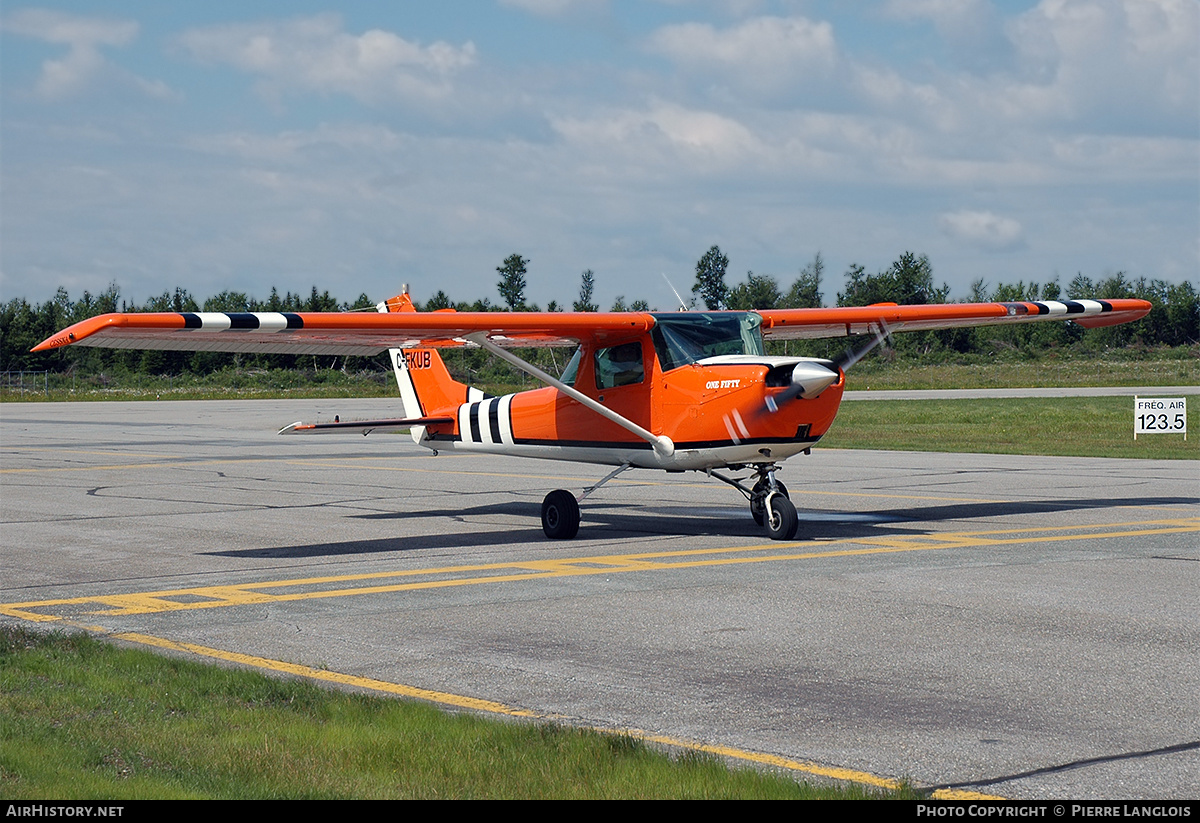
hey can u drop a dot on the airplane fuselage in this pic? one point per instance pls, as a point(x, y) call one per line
point(714, 411)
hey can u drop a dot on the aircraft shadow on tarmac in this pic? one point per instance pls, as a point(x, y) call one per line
point(616, 521)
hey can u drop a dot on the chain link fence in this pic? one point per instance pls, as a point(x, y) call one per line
point(25, 382)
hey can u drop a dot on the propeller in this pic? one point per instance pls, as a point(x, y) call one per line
point(810, 378)
point(848, 358)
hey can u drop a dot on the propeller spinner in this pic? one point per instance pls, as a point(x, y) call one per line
point(811, 377)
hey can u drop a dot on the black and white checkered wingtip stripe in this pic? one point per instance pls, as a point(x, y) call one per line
point(1059, 307)
point(242, 321)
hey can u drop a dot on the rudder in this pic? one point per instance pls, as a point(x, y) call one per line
point(426, 387)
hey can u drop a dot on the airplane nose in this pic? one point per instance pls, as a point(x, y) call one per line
point(810, 379)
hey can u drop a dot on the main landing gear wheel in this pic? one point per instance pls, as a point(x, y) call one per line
point(758, 499)
point(783, 520)
point(560, 515)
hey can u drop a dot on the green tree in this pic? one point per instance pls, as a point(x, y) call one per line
point(323, 301)
point(1182, 312)
point(805, 292)
point(979, 292)
point(364, 301)
point(233, 301)
point(512, 282)
point(1080, 288)
point(587, 285)
point(908, 281)
point(710, 278)
point(760, 291)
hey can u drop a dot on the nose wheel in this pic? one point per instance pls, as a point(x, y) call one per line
point(772, 508)
point(758, 499)
point(781, 518)
point(769, 503)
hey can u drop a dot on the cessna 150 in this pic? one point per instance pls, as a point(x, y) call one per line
point(675, 391)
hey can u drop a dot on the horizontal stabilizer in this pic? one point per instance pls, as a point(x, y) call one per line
point(363, 427)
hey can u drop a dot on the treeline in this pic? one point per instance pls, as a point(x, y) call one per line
point(23, 325)
point(1174, 320)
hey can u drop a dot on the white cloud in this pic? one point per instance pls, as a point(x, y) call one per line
point(69, 29)
point(316, 54)
point(1125, 65)
point(983, 229)
point(663, 128)
point(767, 135)
point(555, 8)
point(972, 30)
point(83, 63)
point(293, 146)
point(764, 56)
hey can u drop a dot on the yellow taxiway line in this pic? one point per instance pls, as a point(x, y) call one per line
point(492, 707)
point(374, 583)
point(68, 610)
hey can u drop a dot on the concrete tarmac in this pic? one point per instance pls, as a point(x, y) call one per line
point(1019, 626)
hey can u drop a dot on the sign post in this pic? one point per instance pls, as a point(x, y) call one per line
point(1159, 415)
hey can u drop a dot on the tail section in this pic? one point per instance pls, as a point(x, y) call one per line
point(426, 386)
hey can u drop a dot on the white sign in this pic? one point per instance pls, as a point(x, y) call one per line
point(1160, 415)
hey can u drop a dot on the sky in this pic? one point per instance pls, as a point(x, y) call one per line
point(357, 147)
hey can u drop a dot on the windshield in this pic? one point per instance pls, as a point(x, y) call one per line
point(680, 339)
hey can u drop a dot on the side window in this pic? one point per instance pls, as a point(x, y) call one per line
point(572, 370)
point(619, 366)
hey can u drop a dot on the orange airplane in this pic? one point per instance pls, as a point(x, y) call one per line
point(679, 391)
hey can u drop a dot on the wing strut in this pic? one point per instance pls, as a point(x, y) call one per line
point(663, 446)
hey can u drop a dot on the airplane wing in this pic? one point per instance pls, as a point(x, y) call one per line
point(791, 324)
point(345, 333)
point(368, 333)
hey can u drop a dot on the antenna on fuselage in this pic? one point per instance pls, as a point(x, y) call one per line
point(682, 305)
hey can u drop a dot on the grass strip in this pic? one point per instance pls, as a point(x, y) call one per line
point(1167, 367)
point(82, 719)
point(1068, 426)
point(1125, 367)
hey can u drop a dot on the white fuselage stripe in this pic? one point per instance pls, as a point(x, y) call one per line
point(506, 433)
point(485, 420)
point(464, 422)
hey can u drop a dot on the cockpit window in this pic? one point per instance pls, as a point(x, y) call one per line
point(680, 339)
point(619, 366)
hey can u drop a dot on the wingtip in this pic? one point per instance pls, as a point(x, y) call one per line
point(57, 341)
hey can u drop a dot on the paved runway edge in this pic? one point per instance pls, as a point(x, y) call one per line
point(456, 701)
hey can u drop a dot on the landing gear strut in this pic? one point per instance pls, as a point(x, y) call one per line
point(758, 498)
point(769, 503)
point(560, 509)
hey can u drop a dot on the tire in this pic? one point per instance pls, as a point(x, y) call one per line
point(785, 522)
point(758, 499)
point(560, 515)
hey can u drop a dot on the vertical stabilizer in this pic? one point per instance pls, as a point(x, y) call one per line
point(425, 384)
